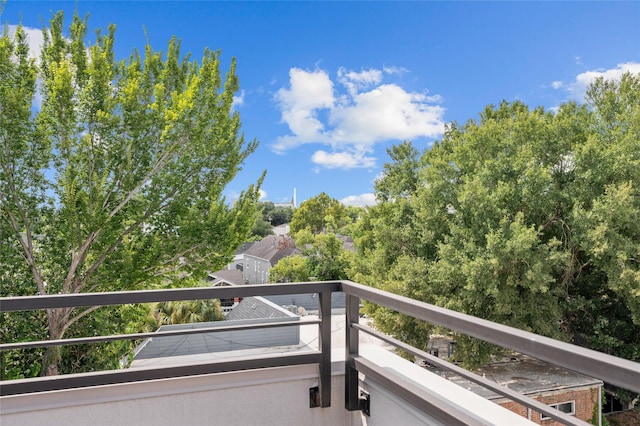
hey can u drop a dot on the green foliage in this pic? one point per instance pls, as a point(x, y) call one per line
point(186, 311)
point(275, 215)
point(327, 259)
point(319, 214)
point(401, 177)
point(114, 181)
point(597, 418)
point(261, 229)
point(291, 269)
point(525, 217)
point(18, 327)
point(323, 259)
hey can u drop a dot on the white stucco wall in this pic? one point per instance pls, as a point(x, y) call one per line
point(273, 396)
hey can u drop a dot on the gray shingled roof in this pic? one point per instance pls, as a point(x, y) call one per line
point(258, 308)
point(308, 301)
point(231, 276)
point(244, 247)
point(251, 310)
point(272, 248)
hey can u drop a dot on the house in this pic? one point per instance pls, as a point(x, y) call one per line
point(568, 391)
point(347, 243)
point(254, 260)
point(264, 254)
point(226, 277)
point(238, 257)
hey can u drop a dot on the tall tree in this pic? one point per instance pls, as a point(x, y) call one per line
point(317, 214)
point(323, 258)
point(114, 181)
point(401, 176)
point(291, 269)
point(525, 217)
point(327, 258)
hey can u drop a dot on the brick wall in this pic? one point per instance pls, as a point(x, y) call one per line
point(585, 400)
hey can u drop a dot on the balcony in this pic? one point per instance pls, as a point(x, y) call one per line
point(343, 376)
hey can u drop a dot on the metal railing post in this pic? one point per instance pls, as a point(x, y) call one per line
point(324, 312)
point(351, 395)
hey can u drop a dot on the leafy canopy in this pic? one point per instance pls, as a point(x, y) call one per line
point(319, 214)
point(524, 217)
point(111, 171)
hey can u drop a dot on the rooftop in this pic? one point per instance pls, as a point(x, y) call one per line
point(272, 248)
point(527, 376)
point(228, 276)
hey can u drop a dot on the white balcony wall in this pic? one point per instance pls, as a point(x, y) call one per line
point(274, 396)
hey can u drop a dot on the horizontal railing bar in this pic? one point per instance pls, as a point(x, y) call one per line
point(135, 336)
point(613, 370)
point(472, 377)
point(437, 407)
point(72, 381)
point(26, 303)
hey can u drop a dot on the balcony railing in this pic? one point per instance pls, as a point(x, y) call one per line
point(612, 370)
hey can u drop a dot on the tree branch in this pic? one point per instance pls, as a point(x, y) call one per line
point(70, 321)
point(26, 243)
point(162, 161)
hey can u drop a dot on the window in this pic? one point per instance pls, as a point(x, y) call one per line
point(564, 407)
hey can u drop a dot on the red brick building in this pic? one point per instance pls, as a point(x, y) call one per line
point(568, 391)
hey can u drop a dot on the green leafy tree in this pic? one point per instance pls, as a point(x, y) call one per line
point(524, 217)
point(187, 311)
point(319, 214)
point(281, 215)
point(266, 208)
point(275, 215)
point(401, 176)
point(323, 258)
point(261, 228)
point(291, 269)
point(327, 259)
point(114, 181)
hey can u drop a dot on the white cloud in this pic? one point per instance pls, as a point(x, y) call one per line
point(356, 81)
point(385, 113)
point(238, 99)
point(578, 87)
point(361, 200)
point(394, 70)
point(263, 195)
point(351, 120)
point(309, 92)
point(343, 160)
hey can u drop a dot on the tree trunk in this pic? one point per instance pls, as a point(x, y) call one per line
point(51, 358)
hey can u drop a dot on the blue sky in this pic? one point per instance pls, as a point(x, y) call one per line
point(327, 87)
